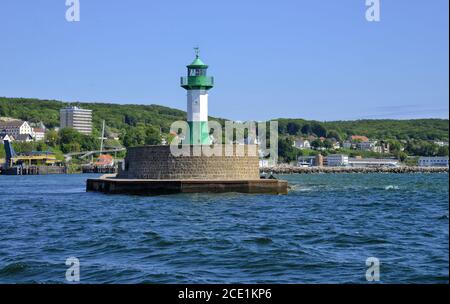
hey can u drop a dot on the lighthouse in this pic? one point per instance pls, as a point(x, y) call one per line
point(197, 84)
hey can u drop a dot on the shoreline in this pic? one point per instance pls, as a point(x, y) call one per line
point(316, 170)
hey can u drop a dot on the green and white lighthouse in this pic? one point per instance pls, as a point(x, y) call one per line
point(197, 84)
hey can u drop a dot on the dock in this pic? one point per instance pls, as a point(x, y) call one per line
point(111, 185)
point(33, 170)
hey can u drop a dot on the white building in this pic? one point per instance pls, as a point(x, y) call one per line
point(366, 145)
point(15, 128)
point(4, 137)
point(433, 161)
point(441, 143)
point(302, 143)
point(38, 134)
point(336, 160)
point(347, 145)
point(306, 161)
point(77, 118)
point(336, 145)
point(373, 162)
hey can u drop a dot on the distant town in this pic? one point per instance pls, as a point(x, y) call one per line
point(76, 145)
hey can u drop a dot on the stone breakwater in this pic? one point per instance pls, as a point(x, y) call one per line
point(308, 170)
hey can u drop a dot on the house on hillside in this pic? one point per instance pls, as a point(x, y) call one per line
point(15, 128)
point(302, 143)
point(23, 138)
point(38, 134)
point(5, 136)
point(359, 138)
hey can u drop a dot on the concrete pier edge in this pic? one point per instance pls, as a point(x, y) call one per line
point(111, 185)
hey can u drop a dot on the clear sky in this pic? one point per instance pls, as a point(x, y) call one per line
point(314, 59)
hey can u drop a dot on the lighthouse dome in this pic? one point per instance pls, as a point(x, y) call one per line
point(197, 63)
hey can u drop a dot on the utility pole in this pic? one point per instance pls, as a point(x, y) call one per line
point(103, 137)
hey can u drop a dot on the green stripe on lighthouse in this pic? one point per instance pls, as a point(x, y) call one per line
point(199, 133)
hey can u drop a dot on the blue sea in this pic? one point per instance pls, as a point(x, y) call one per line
point(323, 231)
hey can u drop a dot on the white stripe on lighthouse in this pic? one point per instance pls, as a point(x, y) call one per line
point(197, 105)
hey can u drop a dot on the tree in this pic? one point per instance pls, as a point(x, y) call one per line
point(293, 128)
point(443, 151)
point(327, 144)
point(307, 129)
point(402, 156)
point(52, 138)
point(71, 147)
point(334, 134)
point(134, 137)
point(286, 150)
point(316, 143)
point(69, 135)
point(41, 146)
point(152, 136)
point(319, 130)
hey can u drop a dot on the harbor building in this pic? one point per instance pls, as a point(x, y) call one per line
point(372, 162)
point(77, 118)
point(433, 161)
point(310, 161)
point(336, 160)
point(38, 134)
point(15, 128)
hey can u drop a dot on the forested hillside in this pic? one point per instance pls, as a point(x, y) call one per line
point(144, 124)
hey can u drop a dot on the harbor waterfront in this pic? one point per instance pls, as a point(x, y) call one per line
point(286, 169)
point(322, 231)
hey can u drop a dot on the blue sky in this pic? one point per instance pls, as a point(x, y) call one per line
point(314, 59)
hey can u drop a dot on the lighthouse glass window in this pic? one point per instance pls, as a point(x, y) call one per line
point(197, 72)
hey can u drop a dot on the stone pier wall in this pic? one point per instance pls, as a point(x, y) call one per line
point(157, 162)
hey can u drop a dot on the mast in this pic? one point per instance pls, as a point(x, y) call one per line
point(102, 138)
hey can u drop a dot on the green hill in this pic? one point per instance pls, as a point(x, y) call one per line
point(408, 129)
point(120, 117)
point(142, 124)
point(116, 116)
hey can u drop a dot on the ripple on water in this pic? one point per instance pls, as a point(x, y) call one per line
point(321, 232)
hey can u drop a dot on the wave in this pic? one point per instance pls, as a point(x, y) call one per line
point(391, 187)
point(13, 268)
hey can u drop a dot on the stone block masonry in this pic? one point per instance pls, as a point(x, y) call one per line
point(157, 162)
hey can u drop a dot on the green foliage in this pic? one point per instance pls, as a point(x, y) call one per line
point(425, 148)
point(365, 154)
point(293, 128)
point(141, 135)
point(423, 129)
point(51, 138)
point(143, 125)
point(383, 129)
point(286, 151)
point(117, 117)
point(334, 134)
point(71, 140)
